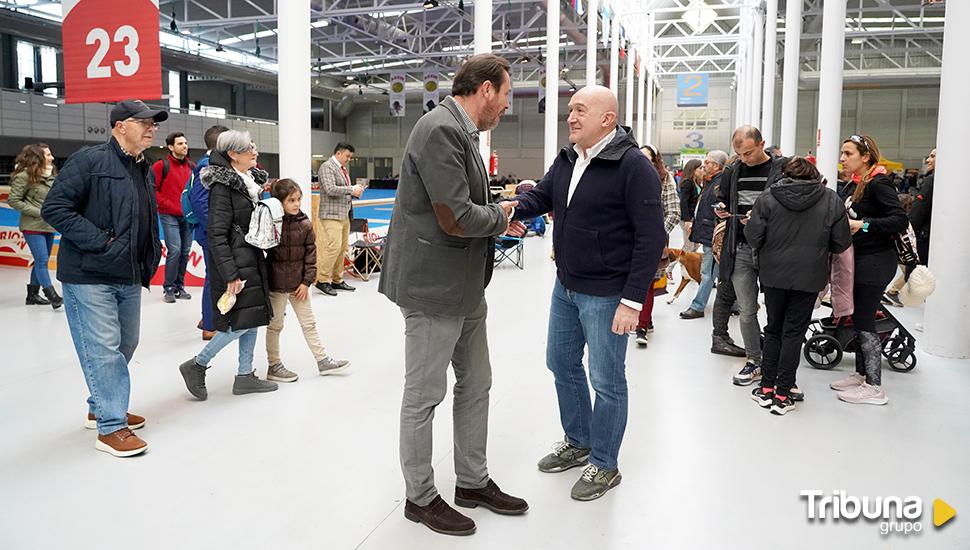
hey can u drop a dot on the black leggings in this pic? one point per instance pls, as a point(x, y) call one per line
point(867, 299)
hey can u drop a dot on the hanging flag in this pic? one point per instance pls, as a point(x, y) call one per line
point(511, 111)
point(396, 97)
point(542, 91)
point(578, 6)
point(431, 96)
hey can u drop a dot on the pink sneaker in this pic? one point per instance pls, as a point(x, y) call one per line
point(854, 380)
point(864, 395)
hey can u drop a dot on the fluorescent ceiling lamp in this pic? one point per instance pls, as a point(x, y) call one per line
point(263, 34)
point(387, 65)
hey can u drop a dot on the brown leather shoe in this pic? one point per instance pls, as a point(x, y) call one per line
point(134, 422)
point(121, 443)
point(440, 517)
point(208, 335)
point(492, 498)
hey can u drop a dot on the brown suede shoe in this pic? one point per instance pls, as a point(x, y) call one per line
point(134, 422)
point(440, 517)
point(492, 498)
point(121, 443)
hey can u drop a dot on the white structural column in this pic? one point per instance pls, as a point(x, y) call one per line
point(630, 77)
point(550, 145)
point(294, 95)
point(649, 70)
point(592, 19)
point(757, 65)
point(741, 73)
point(789, 96)
point(641, 101)
point(614, 53)
point(483, 44)
point(768, 90)
point(830, 91)
point(947, 332)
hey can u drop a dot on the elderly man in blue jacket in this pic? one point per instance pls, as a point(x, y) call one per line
point(608, 238)
point(103, 205)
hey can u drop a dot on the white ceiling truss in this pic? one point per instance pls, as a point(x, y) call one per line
point(367, 40)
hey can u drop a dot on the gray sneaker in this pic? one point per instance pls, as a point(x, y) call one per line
point(280, 373)
point(194, 376)
point(329, 365)
point(563, 457)
point(248, 383)
point(595, 482)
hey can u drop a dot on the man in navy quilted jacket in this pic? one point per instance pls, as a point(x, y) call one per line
point(103, 205)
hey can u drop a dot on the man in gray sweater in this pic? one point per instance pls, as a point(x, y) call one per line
point(437, 262)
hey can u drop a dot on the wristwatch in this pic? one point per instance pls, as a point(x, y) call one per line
point(865, 226)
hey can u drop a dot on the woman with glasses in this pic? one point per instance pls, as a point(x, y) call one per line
point(32, 179)
point(235, 186)
point(875, 214)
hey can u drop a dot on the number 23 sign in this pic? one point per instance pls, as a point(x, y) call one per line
point(111, 50)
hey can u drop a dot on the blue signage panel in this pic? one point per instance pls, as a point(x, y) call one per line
point(692, 90)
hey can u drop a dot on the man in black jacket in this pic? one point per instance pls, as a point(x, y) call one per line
point(741, 184)
point(103, 204)
point(702, 232)
point(921, 214)
point(608, 244)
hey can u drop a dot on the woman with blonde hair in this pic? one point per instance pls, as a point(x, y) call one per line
point(875, 214)
point(32, 179)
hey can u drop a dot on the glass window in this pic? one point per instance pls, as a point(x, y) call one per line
point(174, 90)
point(25, 62)
point(383, 167)
point(48, 68)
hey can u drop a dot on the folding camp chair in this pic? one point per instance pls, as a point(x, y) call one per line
point(510, 249)
point(366, 253)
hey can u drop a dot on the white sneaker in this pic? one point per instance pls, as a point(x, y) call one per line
point(854, 380)
point(864, 395)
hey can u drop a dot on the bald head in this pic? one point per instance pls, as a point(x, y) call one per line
point(749, 145)
point(592, 115)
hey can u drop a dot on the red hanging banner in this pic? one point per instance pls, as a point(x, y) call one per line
point(111, 50)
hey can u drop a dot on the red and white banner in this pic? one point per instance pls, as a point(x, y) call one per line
point(111, 50)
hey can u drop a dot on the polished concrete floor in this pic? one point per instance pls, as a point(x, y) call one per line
point(314, 465)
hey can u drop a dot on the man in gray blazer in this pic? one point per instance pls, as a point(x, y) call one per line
point(334, 213)
point(437, 262)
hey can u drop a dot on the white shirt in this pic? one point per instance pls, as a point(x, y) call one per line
point(582, 163)
point(579, 168)
point(341, 168)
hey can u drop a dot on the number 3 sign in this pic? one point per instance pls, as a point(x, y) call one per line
point(111, 50)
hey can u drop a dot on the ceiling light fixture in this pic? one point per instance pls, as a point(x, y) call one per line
point(429, 4)
point(172, 24)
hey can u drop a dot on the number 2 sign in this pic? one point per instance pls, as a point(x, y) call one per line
point(111, 50)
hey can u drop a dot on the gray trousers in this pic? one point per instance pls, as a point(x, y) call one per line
point(430, 343)
point(745, 282)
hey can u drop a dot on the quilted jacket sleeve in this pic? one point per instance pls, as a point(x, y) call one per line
point(65, 202)
point(220, 232)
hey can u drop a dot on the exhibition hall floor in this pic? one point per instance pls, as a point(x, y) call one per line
point(315, 464)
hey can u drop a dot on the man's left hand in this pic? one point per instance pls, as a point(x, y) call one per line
point(625, 320)
point(516, 229)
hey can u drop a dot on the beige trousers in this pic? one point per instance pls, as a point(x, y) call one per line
point(304, 314)
point(332, 240)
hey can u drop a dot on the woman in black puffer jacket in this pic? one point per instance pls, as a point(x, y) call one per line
point(235, 185)
point(794, 229)
point(875, 214)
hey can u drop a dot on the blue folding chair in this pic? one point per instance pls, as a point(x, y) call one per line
point(510, 249)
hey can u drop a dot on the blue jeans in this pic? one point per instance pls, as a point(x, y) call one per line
point(206, 295)
point(745, 281)
point(104, 322)
point(708, 268)
point(178, 244)
point(247, 344)
point(575, 322)
point(40, 245)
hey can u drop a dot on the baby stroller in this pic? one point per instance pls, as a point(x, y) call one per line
point(831, 337)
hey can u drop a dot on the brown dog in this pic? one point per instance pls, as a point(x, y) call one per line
point(690, 268)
